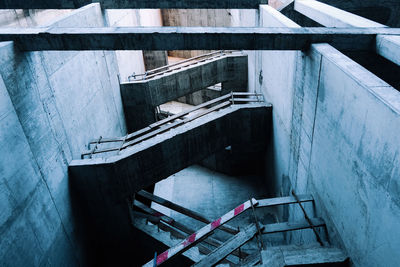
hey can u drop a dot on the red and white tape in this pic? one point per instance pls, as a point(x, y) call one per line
point(193, 238)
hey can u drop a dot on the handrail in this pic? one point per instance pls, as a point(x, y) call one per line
point(181, 227)
point(190, 213)
point(167, 68)
point(171, 122)
point(196, 237)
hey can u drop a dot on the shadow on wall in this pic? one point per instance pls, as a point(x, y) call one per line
point(133, 250)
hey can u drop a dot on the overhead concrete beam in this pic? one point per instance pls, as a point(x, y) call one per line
point(190, 38)
point(120, 4)
point(389, 47)
point(383, 11)
point(329, 16)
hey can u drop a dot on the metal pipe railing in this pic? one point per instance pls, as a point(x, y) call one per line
point(171, 122)
point(168, 68)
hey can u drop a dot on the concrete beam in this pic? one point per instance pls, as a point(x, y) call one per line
point(120, 4)
point(140, 98)
point(389, 47)
point(382, 11)
point(329, 16)
point(190, 38)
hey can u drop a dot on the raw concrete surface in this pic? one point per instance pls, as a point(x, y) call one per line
point(49, 111)
point(195, 38)
point(334, 130)
point(355, 115)
point(140, 98)
point(138, 166)
point(383, 11)
point(213, 194)
point(105, 183)
point(119, 4)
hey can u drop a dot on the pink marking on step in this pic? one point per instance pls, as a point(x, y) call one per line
point(239, 209)
point(189, 240)
point(162, 257)
point(158, 214)
point(215, 224)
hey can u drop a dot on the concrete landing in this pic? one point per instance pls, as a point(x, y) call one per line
point(140, 98)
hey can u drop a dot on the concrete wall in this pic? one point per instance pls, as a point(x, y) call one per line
point(207, 17)
point(354, 155)
point(52, 103)
point(137, 61)
point(278, 83)
point(30, 17)
point(335, 136)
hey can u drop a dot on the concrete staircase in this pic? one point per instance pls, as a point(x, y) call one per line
point(147, 156)
point(172, 233)
point(281, 256)
point(146, 91)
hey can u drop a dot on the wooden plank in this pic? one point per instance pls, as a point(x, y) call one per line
point(149, 217)
point(192, 214)
point(270, 202)
point(291, 226)
point(210, 240)
point(203, 249)
point(200, 234)
point(232, 244)
point(190, 38)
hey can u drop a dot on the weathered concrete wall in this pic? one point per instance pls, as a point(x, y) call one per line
point(140, 98)
point(137, 61)
point(278, 83)
point(338, 141)
point(29, 17)
point(52, 103)
point(353, 156)
point(129, 62)
point(214, 18)
point(207, 18)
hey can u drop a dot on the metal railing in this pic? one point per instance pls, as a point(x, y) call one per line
point(169, 123)
point(179, 65)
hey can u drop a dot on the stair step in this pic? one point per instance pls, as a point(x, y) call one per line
point(300, 255)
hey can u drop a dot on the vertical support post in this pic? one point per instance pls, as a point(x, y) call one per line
point(259, 236)
point(155, 259)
